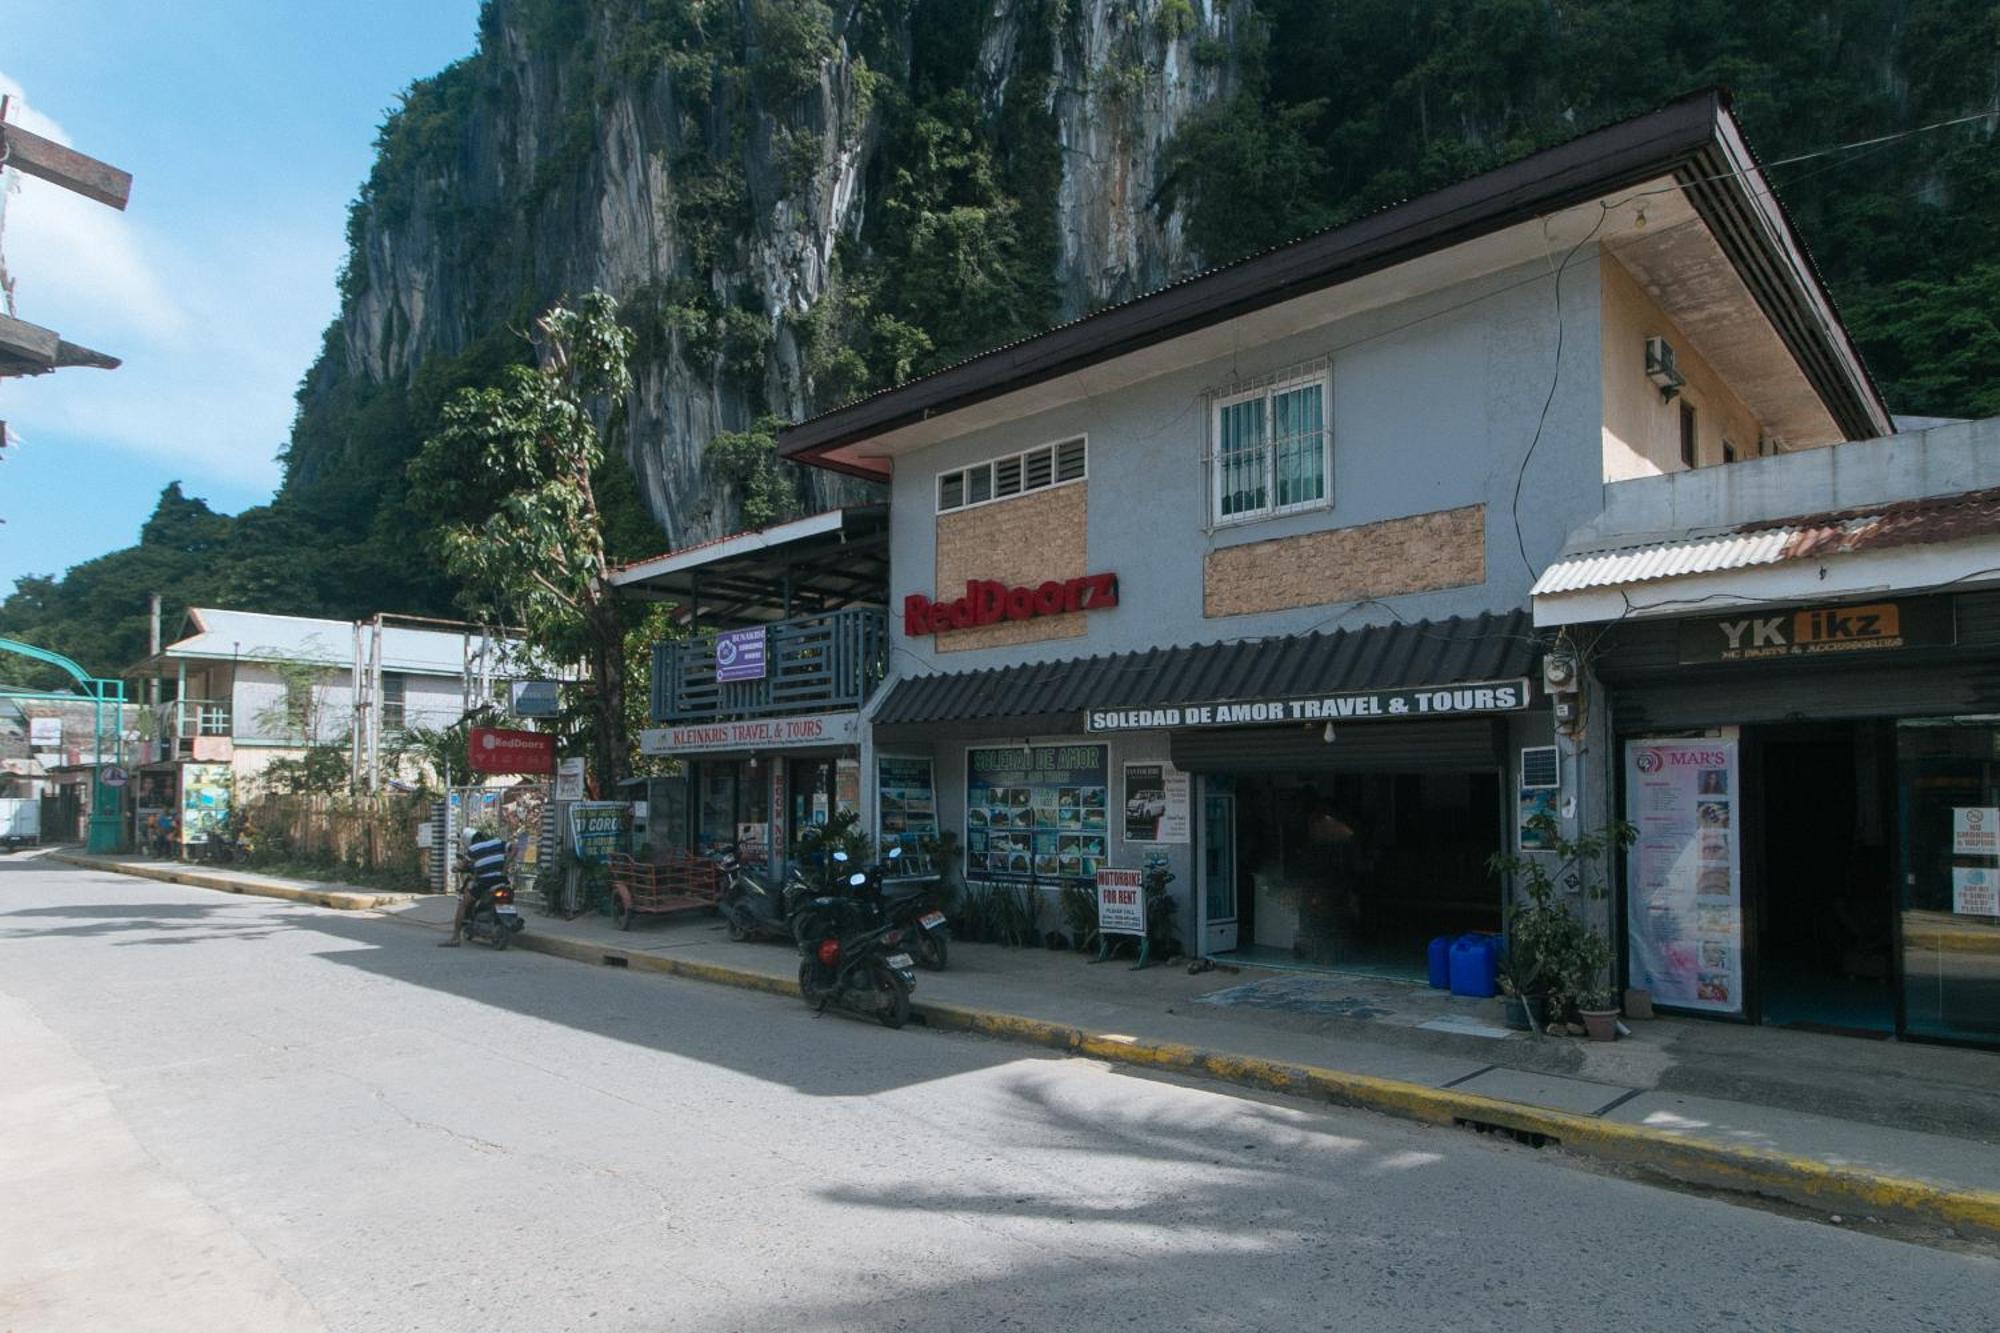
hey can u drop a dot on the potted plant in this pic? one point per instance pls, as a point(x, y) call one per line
point(1551, 951)
point(1599, 1009)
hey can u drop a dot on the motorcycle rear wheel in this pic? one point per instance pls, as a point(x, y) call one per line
point(736, 931)
point(806, 993)
point(892, 996)
point(932, 951)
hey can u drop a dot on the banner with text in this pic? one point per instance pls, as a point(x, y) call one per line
point(1684, 918)
point(768, 733)
point(1480, 696)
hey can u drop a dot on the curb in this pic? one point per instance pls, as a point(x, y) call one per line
point(343, 900)
point(1802, 1181)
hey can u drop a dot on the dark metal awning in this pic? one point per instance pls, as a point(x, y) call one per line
point(1425, 652)
point(807, 566)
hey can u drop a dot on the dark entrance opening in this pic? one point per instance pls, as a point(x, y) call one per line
point(1358, 871)
point(1825, 910)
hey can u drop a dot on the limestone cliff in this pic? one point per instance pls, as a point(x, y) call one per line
point(759, 183)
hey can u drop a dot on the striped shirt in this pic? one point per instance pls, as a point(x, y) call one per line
point(489, 862)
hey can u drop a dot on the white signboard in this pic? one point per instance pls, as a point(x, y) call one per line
point(1121, 902)
point(1975, 831)
point(1975, 891)
point(45, 733)
point(569, 779)
point(534, 698)
point(771, 733)
point(1684, 918)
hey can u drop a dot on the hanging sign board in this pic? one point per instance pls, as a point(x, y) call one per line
point(1975, 831)
point(1684, 918)
point(569, 780)
point(500, 750)
point(739, 655)
point(114, 777)
point(1121, 902)
point(1816, 631)
point(1470, 697)
point(534, 698)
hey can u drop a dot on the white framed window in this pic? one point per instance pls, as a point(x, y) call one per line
point(1014, 474)
point(1273, 449)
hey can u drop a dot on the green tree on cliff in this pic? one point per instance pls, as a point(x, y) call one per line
point(517, 464)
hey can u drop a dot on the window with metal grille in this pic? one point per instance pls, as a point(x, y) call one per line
point(1016, 474)
point(1273, 451)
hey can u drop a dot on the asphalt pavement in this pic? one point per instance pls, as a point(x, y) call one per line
point(226, 1112)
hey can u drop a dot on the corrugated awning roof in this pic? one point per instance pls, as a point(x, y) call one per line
point(1425, 652)
point(1807, 537)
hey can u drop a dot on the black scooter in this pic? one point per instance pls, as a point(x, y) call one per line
point(751, 909)
point(848, 958)
point(918, 915)
point(494, 919)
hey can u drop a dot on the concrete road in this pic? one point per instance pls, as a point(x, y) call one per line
point(229, 1113)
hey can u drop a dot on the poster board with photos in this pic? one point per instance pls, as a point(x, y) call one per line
point(1684, 873)
point(1037, 812)
point(906, 803)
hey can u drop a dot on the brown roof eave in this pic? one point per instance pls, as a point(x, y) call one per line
point(1567, 174)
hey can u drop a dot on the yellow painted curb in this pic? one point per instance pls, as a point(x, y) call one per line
point(1799, 1180)
point(335, 898)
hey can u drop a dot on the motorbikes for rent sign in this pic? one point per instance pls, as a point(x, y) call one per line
point(1121, 902)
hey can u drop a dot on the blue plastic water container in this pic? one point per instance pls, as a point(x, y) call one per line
point(1440, 962)
point(1475, 966)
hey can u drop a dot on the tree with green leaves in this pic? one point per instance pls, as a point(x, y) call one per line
point(516, 465)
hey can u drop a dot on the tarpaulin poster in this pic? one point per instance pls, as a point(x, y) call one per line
point(1036, 812)
point(1684, 914)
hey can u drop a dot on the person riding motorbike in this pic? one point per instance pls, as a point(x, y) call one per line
point(482, 865)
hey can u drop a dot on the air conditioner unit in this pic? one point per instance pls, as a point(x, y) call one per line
point(1541, 768)
point(1660, 368)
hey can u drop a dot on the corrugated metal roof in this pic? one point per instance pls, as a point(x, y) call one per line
point(1425, 652)
point(1809, 536)
point(222, 634)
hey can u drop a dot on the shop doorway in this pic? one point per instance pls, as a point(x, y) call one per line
point(1825, 909)
point(1359, 871)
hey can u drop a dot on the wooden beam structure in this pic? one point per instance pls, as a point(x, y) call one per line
point(30, 349)
point(45, 159)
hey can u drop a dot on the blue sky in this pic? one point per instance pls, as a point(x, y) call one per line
point(247, 126)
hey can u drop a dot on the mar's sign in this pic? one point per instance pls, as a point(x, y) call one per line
point(991, 602)
point(770, 733)
point(1815, 631)
point(500, 750)
point(1479, 696)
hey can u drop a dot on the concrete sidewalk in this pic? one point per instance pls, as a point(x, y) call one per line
point(1835, 1124)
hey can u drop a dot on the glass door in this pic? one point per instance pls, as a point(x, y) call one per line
point(1950, 901)
point(1218, 872)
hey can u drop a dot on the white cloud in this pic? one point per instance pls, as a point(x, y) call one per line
point(215, 320)
point(75, 262)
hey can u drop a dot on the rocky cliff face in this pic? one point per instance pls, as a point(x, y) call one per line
point(727, 174)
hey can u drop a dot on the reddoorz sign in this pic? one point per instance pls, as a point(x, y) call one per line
point(991, 602)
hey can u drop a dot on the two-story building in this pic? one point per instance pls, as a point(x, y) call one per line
point(785, 639)
point(241, 689)
point(1238, 573)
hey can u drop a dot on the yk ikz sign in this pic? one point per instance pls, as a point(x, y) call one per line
point(1819, 630)
point(991, 602)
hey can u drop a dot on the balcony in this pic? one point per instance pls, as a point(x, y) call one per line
point(813, 664)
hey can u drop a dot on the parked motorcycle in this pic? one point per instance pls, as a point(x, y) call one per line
point(919, 914)
point(753, 910)
point(847, 957)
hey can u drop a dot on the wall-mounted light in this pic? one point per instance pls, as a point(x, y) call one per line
point(1660, 369)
